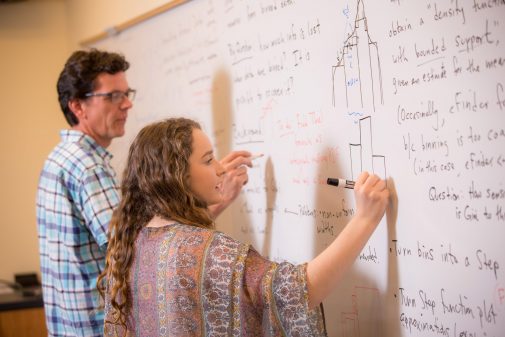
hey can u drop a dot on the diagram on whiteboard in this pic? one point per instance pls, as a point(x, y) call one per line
point(362, 154)
point(358, 69)
point(363, 320)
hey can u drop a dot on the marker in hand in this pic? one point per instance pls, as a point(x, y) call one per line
point(256, 156)
point(340, 182)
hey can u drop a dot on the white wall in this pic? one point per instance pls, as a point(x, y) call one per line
point(88, 18)
point(34, 46)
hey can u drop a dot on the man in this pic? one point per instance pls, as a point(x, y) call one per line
point(77, 190)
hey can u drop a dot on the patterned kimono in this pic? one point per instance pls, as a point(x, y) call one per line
point(189, 281)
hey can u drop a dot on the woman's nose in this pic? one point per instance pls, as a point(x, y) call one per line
point(220, 170)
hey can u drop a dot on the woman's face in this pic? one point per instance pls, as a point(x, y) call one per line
point(205, 172)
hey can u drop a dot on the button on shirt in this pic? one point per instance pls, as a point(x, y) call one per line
point(76, 196)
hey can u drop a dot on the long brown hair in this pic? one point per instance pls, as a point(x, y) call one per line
point(155, 182)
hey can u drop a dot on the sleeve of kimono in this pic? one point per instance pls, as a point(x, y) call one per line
point(279, 298)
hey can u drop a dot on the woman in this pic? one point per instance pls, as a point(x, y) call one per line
point(168, 272)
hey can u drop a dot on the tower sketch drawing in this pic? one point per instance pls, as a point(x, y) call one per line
point(358, 68)
point(362, 154)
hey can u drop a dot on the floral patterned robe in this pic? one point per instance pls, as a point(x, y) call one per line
point(189, 281)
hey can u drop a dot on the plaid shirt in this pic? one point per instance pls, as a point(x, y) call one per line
point(76, 196)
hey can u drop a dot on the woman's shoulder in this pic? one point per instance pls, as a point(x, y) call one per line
point(213, 236)
point(190, 236)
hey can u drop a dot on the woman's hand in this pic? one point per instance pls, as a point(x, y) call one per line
point(328, 268)
point(371, 196)
point(235, 165)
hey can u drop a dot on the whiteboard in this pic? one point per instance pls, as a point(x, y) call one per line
point(411, 90)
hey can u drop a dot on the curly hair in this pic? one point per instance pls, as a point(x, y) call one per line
point(79, 74)
point(155, 182)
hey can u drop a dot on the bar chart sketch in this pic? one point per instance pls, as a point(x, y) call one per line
point(363, 320)
point(358, 68)
point(362, 154)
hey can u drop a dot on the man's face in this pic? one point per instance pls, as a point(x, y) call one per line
point(102, 118)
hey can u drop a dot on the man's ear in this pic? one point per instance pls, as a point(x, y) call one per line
point(77, 107)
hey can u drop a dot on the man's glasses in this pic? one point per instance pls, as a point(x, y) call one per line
point(115, 97)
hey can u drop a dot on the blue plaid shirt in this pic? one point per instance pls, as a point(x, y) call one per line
point(76, 196)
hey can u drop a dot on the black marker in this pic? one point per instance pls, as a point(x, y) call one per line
point(340, 182)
